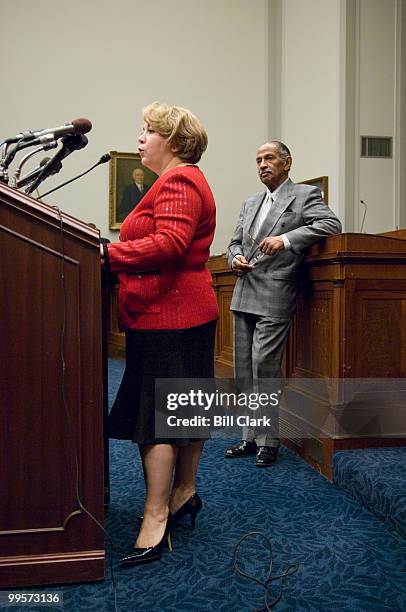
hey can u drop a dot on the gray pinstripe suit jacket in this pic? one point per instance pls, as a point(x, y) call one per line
point(270, 289)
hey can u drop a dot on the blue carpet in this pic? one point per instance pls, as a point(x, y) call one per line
point(376, 477)
point(349, 560)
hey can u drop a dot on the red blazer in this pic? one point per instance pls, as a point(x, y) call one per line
point(164, 246)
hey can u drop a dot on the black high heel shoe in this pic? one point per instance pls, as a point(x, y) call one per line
point(150, 553)
point(192, 506)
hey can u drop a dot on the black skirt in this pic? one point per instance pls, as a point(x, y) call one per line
point(183, 353)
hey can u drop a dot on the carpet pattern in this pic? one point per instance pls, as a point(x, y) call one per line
point(348, 559)
point(376, 477)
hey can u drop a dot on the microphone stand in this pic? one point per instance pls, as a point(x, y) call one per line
point(23, 143)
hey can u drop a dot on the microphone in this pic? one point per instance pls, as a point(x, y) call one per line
point(34, 173)
point(39, 137)
point(104, 158)
point(46, 141)
point(15, 180)
point(70, 144)
point(365, 214)
point(77, 126)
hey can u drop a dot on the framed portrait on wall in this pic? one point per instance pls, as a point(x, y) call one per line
point(129, 181)
point(322, 183)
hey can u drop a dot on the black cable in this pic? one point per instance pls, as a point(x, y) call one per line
point(269, 578)
point(66, 409)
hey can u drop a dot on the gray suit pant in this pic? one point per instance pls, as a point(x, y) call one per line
point(258, 347)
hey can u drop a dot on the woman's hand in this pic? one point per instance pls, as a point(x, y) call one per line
point(102, 255)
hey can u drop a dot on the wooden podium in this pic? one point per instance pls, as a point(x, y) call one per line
point(350, 325)
point(51, 396)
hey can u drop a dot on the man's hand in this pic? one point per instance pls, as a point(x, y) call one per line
point(271, 245)
point(240, 265)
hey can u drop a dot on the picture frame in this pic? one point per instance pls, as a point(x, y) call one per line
point(322, 183)
point(124, 193)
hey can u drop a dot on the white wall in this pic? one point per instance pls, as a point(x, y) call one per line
point(106, 60)
point(342, 77)
point(377, 54)
point(291, 69)
point(310, 90)
point(400, 148)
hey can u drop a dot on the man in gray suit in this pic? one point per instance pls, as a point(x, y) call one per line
point(273, 231)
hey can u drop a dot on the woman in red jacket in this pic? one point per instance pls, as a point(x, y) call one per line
point(168, 310)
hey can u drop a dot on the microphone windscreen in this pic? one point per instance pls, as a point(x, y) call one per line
point(74, 142)
point(105, 158)
point(81, 125)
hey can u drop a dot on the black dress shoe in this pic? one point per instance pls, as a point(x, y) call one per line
point(150, 553)
point(266, 455)
point(243, 449)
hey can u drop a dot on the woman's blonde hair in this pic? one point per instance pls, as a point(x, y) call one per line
point(180, 128)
